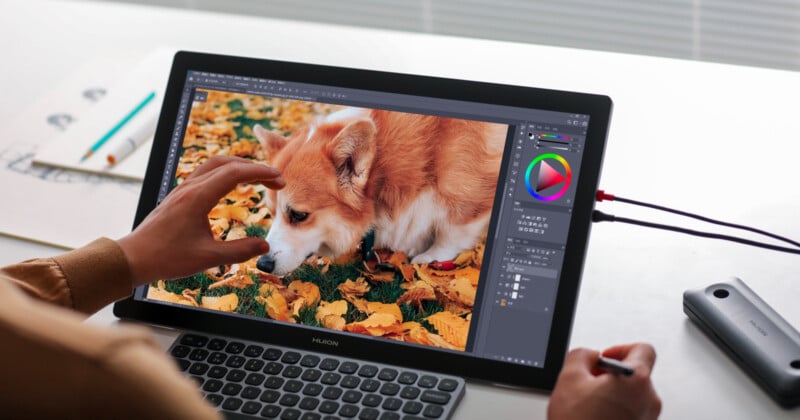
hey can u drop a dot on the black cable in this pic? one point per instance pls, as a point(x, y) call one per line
point(598, 216)
point(707, 219)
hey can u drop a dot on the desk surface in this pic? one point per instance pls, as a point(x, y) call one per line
point(716, 139)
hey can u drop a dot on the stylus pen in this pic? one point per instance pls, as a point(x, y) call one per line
point(614, 366)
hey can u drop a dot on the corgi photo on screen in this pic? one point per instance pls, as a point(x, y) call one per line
point(424, 184)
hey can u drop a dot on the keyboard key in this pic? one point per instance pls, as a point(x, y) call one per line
point(348, 410)
point(311, 416)
point(389, 416)
point(270, 396)
point(412, 407)
point(217, 358)
point(309, 403)
point(292, 371)
point(273, 368)
point(231, 389)
point(433, 411)
point(368, 371)
point(331, 378)
point(350, 382)
point(251, 407)
point(254, 365)
point(312, 389)
point(251, 393)
point(309, 360)
point(348, 368)
point(180, 351)
point(236, 375)
point(369, 414)
point(194, 340)
point(235, 361)
point(234, 347)
point(214, 399)
point(198, 369)
point(232, 404)
point(410, 393)
point(448, 385)
point(212, 385)
point(198, 355)
point(407, 378)
point(329, 364)
point(390, 388)
point(435, 397)
point(289, 400)
point(332, 393)
point(253, 350)
point(372, 400)
point(387, 374)
point(216, 344)
point(291, 414)
point(274, 382)
point(271, 411)
point(352, 396)
point(254, 379)
point(427, 381)
point(311, 375)
point(293, 386)
point(183, 364)
point(328, 407)
point(291, 357)
point(392, 404)
point(217, 372)
point(272, 354)
point(369, 385)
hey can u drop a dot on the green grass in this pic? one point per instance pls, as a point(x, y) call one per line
point(329, 282)
point(199, 280)
point(386, 292)
point(256, 231)
point(413, 314)
point(307, 316)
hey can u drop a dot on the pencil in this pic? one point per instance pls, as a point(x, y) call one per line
point(614, 366)
point(99, 143)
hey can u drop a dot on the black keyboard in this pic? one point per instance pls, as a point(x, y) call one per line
point(253, 380)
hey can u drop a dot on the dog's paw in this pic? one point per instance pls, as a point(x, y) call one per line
point(434, 255)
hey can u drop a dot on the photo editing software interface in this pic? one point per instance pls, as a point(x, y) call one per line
point(493, 299)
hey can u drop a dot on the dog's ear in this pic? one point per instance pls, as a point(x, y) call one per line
point(353, 151)
point(272, 142)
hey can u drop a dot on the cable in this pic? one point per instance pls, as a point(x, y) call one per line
point(598, 216)
point(603, 196)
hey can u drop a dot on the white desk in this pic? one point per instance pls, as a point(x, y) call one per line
point(719, 140)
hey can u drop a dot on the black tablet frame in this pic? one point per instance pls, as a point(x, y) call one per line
point(598, 107)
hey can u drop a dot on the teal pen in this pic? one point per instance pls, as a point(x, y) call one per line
point(99, 143)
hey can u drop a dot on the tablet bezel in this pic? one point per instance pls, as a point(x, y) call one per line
point(598, 107)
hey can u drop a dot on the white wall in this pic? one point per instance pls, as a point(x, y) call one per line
point(761, 33)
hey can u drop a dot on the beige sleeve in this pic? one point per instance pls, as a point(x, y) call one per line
point(85, 279)
point(56, 366)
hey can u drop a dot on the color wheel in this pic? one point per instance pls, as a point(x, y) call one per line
point(547, 177)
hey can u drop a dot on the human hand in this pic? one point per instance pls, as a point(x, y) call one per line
point(175, 239)
point(585, 392)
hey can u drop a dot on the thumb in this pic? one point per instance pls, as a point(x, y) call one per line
point(240, 249)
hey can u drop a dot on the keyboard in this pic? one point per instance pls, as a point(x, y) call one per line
point(254, 380)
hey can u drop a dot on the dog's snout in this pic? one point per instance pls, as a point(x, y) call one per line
point(265, 263)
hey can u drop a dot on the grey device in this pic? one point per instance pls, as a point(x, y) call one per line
point(752, 333)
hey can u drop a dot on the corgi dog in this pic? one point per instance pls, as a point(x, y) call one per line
point(424, 184)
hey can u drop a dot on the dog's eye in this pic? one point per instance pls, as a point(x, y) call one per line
point(297, 216)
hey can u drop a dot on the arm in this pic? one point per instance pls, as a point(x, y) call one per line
point(173, 241)
point(584, 392)
point(56, 366)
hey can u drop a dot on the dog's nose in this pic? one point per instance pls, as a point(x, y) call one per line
point(265, 263)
